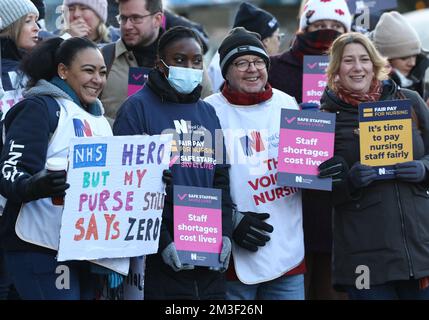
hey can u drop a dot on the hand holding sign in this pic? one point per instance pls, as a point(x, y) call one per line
point(335, 168)
point(250, 230)
point(225, 254)
point(410, 171)
point(361, 175)
point(171, 258)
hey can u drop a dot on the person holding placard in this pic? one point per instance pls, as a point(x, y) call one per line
point(320, 22)
point(268, 247)
point(380, 227)
point(170, 103)
point(65, 79)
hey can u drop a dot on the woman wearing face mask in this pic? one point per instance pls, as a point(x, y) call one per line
point(320, 23)
point(18, 35)
point(65, 79)
point(380, 226)
point(170, 103)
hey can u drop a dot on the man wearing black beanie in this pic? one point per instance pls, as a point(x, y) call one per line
point(268, 218)
point(240, 42)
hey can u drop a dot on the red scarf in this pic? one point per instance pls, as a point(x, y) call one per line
point(354, 98)
point(246, 99)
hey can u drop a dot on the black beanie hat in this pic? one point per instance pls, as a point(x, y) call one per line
point(255, 19)
point(240, 42)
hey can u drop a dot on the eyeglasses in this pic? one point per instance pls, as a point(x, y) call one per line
point(134, 19)
point(243, 65)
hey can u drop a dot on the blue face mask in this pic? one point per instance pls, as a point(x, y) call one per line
point(184, 80)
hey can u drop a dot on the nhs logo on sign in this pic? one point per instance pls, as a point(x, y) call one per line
point(193, 256)
point(89, 155)
point(381, 171)
point(299, 179)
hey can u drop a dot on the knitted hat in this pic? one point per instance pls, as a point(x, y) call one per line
point(394, 37)
point(13, 10)
point(256, 20)
point(99, 6)
point(240, 42)
point(316, 10)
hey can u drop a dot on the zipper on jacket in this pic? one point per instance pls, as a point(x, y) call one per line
point(410, 262)
point(197, 293)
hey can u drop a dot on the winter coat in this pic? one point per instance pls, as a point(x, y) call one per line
point(285, 74)
point(31, 123)
point(415, 80)
point(10, 59)
point(152, 110)
point(384, 226)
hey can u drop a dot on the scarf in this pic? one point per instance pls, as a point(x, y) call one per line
point(246, 99)
point(354, 98)
point(313, 43)
point(92, 108)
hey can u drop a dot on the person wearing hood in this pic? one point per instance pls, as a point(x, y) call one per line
point(65, 79)
point(320, 23)
point(397, 40)
point(18, 35)
point(379, 226)
point(170, 102)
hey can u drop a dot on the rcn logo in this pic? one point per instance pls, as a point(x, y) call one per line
point(82, 129)
point(253, 143)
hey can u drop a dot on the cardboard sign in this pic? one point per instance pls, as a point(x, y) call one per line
point(114, 204)
point(137, 77)
point(385, 135)
point(356, 6)
point(314, 78)
point(306, 140)
point(198, 225)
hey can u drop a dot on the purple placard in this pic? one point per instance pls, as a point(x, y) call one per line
point(306, 140)
point(137, 77)
point(198, 225)
point(314, 78)
point(355, 6)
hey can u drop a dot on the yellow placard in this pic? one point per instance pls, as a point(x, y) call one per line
point(385, 143)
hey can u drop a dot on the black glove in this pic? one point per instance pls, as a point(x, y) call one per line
point(335, 168)
point(249, 230)
point(46, 184)
point(410, 171)
point(361, 175)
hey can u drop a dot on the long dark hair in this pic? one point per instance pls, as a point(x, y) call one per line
point(42, 62)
